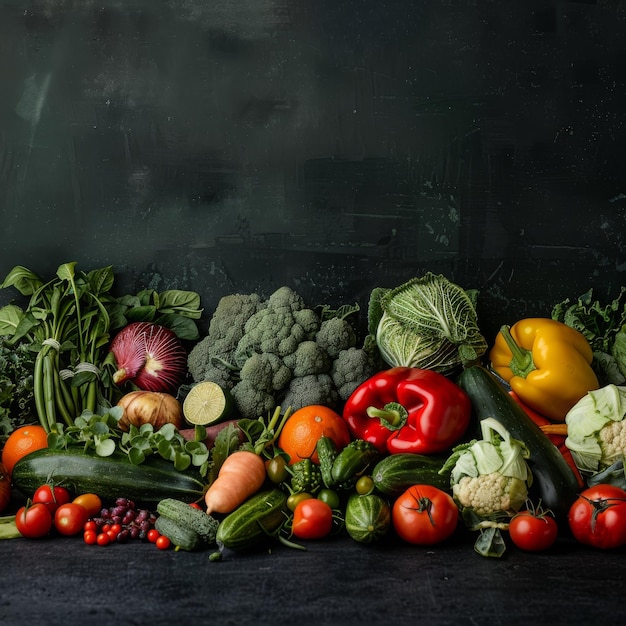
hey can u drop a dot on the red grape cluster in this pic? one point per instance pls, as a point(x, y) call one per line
point(121, 522)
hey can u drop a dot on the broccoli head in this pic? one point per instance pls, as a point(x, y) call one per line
point(251, 401)
point(335, 334)
point(311, 389)
point(266, 372)
point(351, 368)
point(309, 358)
point(226, 328)
point(276, 328)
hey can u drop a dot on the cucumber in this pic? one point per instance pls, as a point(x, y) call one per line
point(252, 522)
point(554, 481)
point(194, 519)
point(352, 461)
point(182, 537)
point(395, 473)
point(367, 518)
point(107, 476)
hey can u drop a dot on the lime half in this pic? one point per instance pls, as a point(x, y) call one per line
point(207, 403)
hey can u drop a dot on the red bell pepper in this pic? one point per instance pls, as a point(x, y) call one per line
point(407, 409)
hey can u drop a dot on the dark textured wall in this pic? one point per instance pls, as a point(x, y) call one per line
point(329, 145)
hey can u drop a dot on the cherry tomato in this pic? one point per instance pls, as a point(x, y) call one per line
point(103, 539)
point(195, 505)
point(598, 517)
point(162, 542)
point(276, 469)
point(70, 518)
point(90, 525)
point(533, 530)
point(330, 496)
point(312, 519)
point(34, 520)
point(52, 496)
point(295, 498)
point(365, 485)
point(91, 502)
point(153, 535)
point(90, 537)
point(424, 515)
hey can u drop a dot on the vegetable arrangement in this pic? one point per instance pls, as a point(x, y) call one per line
point(419, 432)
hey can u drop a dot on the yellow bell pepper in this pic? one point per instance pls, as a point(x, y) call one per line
point(546, 363)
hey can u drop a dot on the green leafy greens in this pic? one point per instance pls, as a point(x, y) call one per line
point(604, 326)
point(427, 322)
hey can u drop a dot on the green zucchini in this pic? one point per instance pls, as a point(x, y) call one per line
point(182, 537)
point(395, 473)
point(368, 517)
point(107, 476)
point(554, 481)
point(252, 522)
point(195, 519)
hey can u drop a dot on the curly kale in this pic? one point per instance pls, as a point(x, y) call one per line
point(17, 404)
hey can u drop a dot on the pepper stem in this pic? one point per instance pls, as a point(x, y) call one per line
point(392, 416)
point(522, 362)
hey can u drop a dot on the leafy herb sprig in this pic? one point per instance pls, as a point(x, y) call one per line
point(102, 435)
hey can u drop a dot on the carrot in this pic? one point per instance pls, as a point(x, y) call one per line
point(241, 475)
point(559, 429)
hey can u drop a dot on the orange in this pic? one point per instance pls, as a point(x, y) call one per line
point(21, 442)
point(298, 437)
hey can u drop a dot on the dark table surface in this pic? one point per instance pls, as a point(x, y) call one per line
point(61, 580)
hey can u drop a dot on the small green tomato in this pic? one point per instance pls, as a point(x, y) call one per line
point(329, 496)
point(295, 498)
point(365, 485)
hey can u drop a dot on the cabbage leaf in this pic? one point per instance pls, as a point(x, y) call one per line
point(428, 322)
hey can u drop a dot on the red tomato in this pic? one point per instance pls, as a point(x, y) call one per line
point(70, 518)
point(5, 488)
point(598, 517)
point(34, 520)
point(52, 496)
point(533, 530)
point(103, 539)
point(163, 542)
point(312, 519)
point(424, 515)
point(90, 537)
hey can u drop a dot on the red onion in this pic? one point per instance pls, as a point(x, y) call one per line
point(149, 355)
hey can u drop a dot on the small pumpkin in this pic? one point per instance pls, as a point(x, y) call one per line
point(150, 407)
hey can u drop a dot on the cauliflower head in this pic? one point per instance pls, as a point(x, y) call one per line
point(491, 493)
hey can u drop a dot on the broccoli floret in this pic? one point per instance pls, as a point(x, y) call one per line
point(335, 335)
point(226, 328)
point(285, 297)
point(311, 389)
point(251, 401)
point(351, 368)
point(266, 372)
point(220, 375)
point(276, 328)
point(309, 358)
